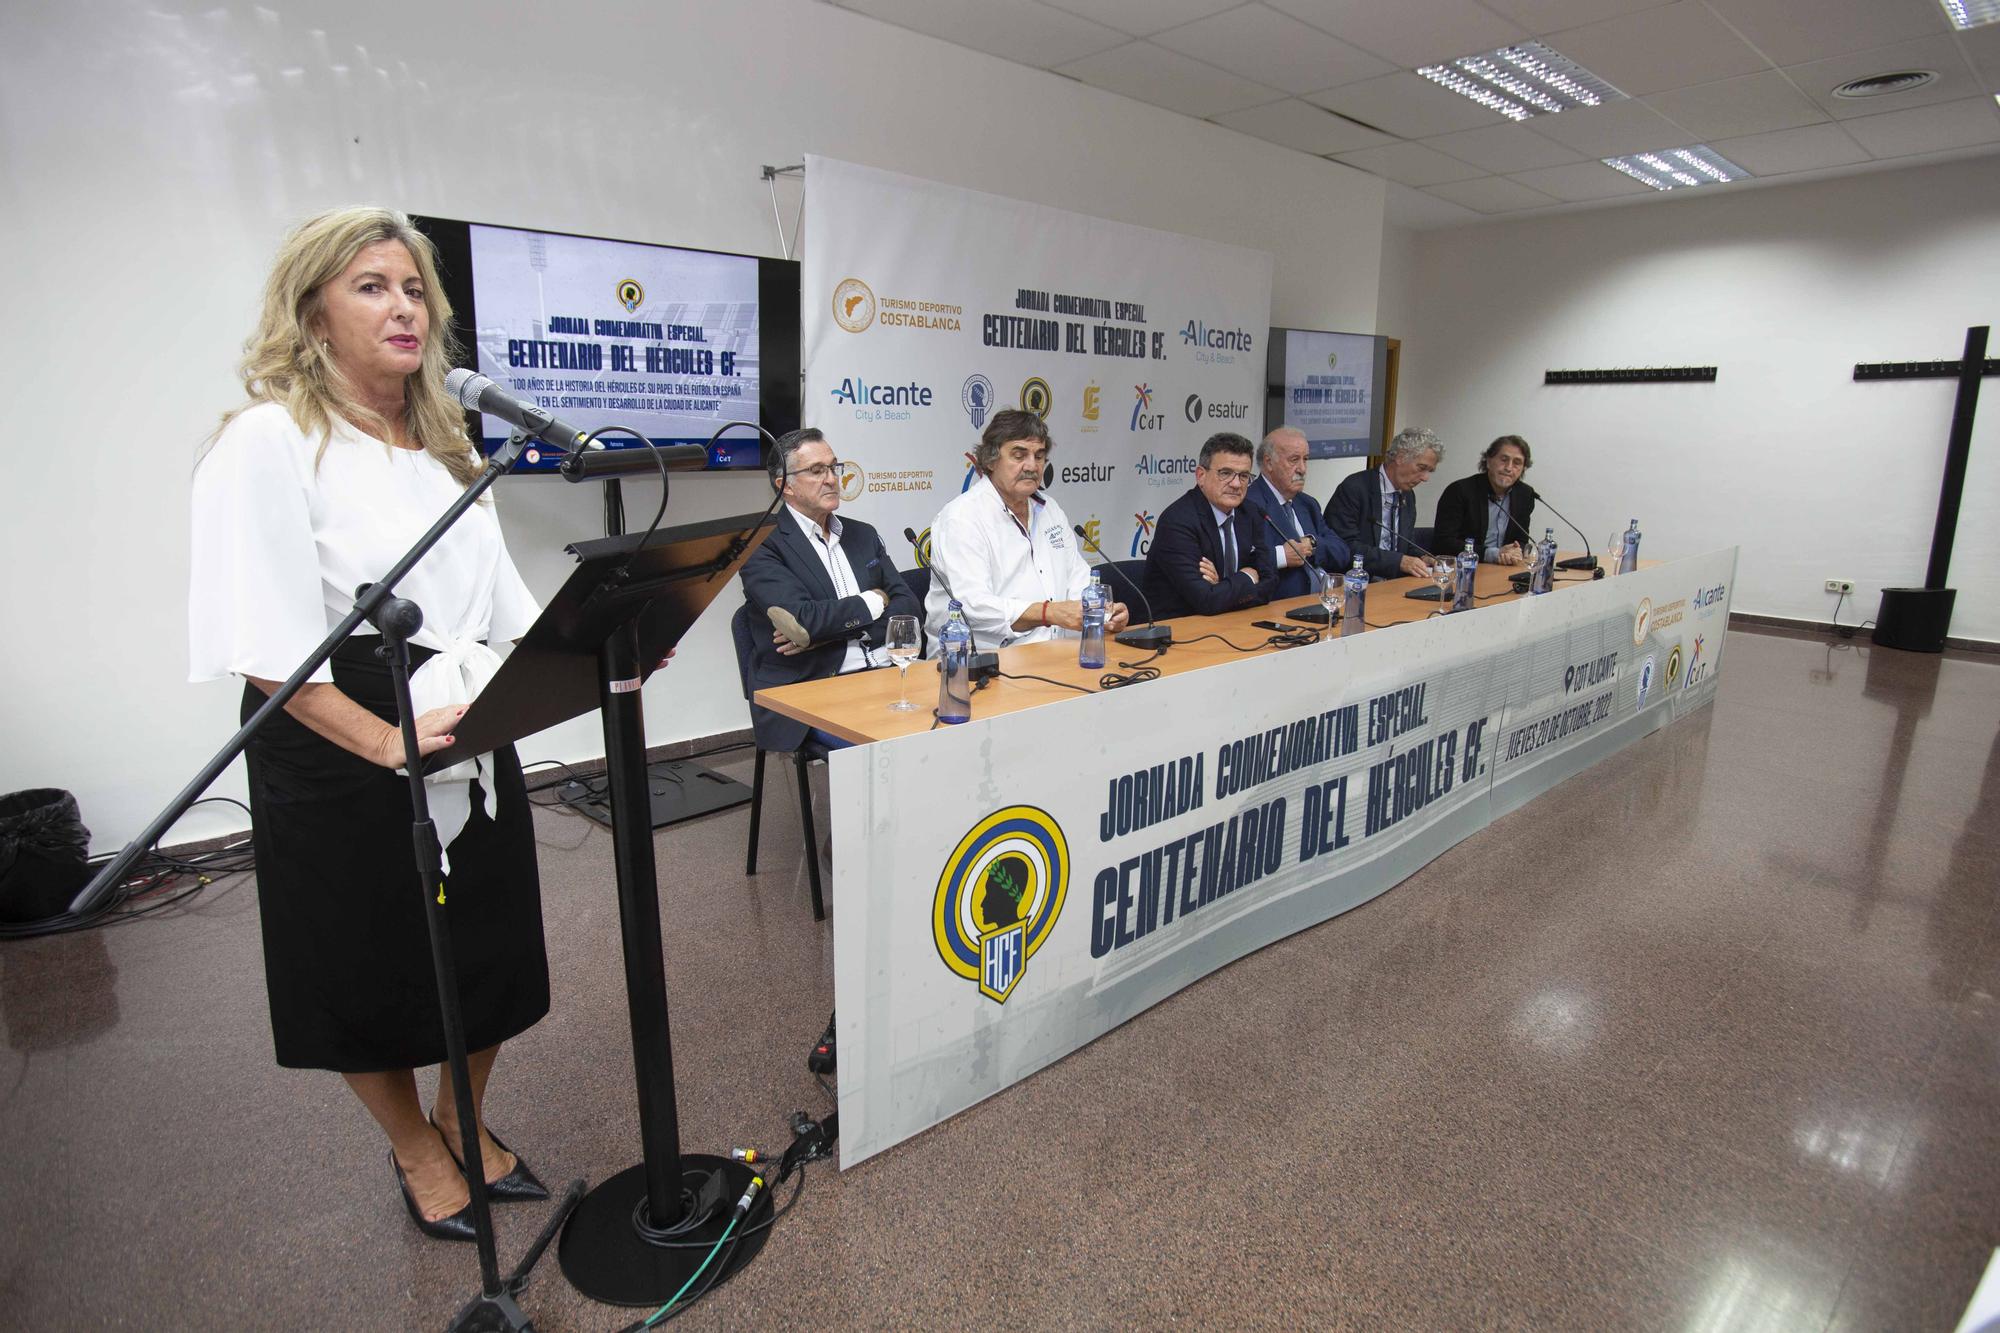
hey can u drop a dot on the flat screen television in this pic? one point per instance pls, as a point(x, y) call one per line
point(1329, 385)
point(667, 341)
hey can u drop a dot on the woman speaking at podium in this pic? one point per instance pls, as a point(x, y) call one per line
point(346, 451)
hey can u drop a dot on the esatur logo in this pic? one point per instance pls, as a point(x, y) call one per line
point(1195, 409)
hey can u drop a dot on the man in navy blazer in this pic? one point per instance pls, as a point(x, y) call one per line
point(1208, 555)
point(1300, 538)
point(821, 589)
point(1375, 512)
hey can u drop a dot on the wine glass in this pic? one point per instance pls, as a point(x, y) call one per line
point(1444, 573)
point(1329, 590)
point(902, 645)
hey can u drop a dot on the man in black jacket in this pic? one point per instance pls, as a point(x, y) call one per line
point(1207, 555)
point(823, 587)
point(1493, 506)
point(1374, 511)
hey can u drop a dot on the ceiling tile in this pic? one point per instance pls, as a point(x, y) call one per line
point(1807, 148)
point(1748, 104)
point(1405, 207)
point(1143, 18)
point(1303, 126)
point(1502, 148)
point(1928, 129)
point(1408, 105)
point(1612, 130)
point(1789, 32)
point(1955, 80)
point(1580, 181)
point(1167, 78)
point(1657, 49)
point(1546, 16)
point(1982, 45)
point(1410, 163)
point(1257, 42)
point(1026, 31)
point(1409, 32)
point(1492, 194)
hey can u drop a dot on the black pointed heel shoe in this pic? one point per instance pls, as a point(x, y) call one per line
point(517, 1186)
point(458, 1226)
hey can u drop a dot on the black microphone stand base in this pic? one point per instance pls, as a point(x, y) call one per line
point(1578, 562)
point(610, 1253)
point(984, 665)
point(1156, 638)
point(499, 1312)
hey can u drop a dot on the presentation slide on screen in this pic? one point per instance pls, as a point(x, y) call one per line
point(601, 333)
point(1329, 391)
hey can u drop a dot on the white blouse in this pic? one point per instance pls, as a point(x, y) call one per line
point(279, 545)
point(280, 542)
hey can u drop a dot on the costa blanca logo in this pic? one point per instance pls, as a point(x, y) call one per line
point(1036, 396)
point(998, 897)
point(853, 305)
point(1645, 680)
point(1643, 621)
point(630, 294)
point(977, 399)
point(924, 549)
point(853, 481)
point(1674, 667)
point(1143, 416)
point(1192, 407)
point(1142, 534)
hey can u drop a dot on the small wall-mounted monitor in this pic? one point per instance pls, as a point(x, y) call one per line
point(663, 340)
point(1329, 385)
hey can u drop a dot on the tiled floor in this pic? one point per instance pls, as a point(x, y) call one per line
point(1728, 1057)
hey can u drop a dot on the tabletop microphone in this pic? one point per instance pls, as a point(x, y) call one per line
point(1429, 592)
point(1148, 635)
point(475, 393)
point(983, 664)
point(1584, 561)
point(1311, 615)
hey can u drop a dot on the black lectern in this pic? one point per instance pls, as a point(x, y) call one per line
point(639, 1237)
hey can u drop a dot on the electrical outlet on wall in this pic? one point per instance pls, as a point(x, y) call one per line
point(1840, 585)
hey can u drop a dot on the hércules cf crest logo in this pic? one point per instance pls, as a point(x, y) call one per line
point(998, 897)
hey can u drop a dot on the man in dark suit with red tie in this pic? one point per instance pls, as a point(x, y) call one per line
point(1208, 555)
point(824, 586)
point(1375, 511)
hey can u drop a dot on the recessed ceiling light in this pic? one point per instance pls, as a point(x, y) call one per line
point(1678, 168)
point(1523, 80)
point(1971, 13)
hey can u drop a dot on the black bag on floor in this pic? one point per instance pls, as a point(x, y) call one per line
point(44, 854)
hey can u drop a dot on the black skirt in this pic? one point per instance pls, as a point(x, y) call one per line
point(347, 958)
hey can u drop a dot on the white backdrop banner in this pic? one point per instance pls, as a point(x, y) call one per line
point(1012, 888)
point(929, 307)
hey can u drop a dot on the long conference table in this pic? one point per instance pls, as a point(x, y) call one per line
point(856, 708)
point(1006, 890)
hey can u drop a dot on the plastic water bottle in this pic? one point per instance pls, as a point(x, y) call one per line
point(1468, 571)
point(1353, 599)
point(955, 668)
point(1628, 554)
point(1544, 573)
point(1096, 604)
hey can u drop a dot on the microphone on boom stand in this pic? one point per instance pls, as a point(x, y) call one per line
point(983, 664)
point(1148, 635)
point(1308, 614)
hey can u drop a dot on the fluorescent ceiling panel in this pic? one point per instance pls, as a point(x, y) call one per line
point(1678, 168)
point(1523, 80)
point(1965, 14)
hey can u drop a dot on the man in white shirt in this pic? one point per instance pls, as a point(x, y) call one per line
point(1006, 551)
point(821, 588)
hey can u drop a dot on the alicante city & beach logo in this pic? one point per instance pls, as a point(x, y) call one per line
point(998, 897)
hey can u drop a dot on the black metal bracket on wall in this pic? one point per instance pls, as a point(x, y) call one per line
point(1919, 370)
point(1633, 375)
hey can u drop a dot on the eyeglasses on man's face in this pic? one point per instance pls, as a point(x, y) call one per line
point(818, 472)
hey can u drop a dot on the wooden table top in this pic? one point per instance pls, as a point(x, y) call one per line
point(855, 707)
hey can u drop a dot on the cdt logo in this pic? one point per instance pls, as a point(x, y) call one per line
point(1698, 669)
point(853, 305)
point(1142, 535)
point(998, 897)
point(976, 397)
point(631, 295)
point(1143, 417)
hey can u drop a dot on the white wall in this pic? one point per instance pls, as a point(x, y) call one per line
point(1784, 289)
point(155, 151)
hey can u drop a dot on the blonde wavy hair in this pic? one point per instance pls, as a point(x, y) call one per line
point(285, 362)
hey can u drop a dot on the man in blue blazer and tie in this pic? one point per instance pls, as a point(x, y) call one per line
point(1375, 512)
point(821, 587)
point(1292, 521)
point(1208, 555)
